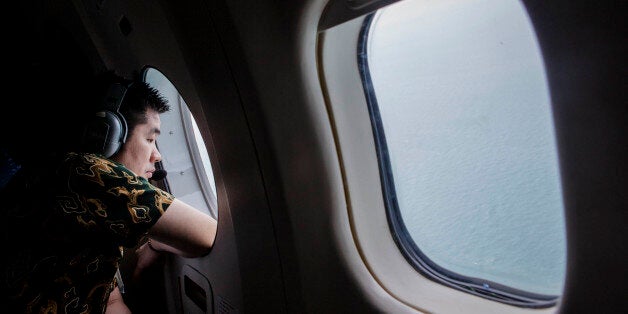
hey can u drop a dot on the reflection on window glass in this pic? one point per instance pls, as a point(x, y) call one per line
point(465, 109)
point(198, 139)
point(183, 150)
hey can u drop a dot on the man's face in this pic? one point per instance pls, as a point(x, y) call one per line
point(140, 153)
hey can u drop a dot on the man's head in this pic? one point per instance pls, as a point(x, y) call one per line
point(131, 117)
point(141, 108)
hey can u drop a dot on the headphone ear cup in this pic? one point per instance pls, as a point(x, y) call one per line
point(105, 133)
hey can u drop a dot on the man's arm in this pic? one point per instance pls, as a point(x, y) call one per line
point(184, 230)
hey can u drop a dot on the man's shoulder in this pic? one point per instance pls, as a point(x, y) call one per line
point(83, 157)
point(77, 159)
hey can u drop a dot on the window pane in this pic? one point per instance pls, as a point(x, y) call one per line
point(183, 150)
point(466, 113)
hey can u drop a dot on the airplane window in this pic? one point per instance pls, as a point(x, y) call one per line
point(461, 108)
point(184, 154)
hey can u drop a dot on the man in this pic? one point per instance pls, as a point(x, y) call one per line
point(66, 242)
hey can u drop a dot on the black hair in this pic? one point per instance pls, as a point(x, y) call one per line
point(139, 98)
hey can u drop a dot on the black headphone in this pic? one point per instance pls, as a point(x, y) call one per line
point(106, 130)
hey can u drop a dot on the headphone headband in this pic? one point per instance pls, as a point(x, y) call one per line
point(114, 97)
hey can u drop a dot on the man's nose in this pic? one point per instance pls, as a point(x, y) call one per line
point(156, 156)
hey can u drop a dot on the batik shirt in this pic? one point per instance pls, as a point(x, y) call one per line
point(65, 251)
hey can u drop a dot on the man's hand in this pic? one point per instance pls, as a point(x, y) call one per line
point(146, 259)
